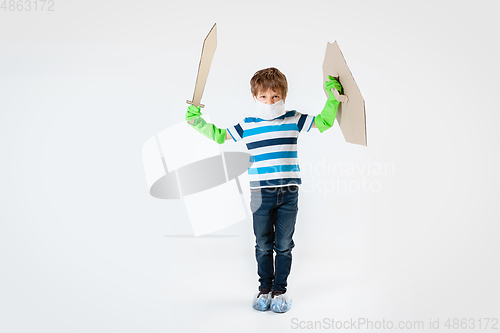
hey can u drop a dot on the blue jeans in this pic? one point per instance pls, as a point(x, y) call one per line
point(274, 212)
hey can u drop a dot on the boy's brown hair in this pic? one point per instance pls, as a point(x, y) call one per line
point(269, 78)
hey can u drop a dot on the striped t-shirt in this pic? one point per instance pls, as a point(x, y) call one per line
point(273, 146)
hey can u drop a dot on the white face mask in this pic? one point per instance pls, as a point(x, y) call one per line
point(269, 112)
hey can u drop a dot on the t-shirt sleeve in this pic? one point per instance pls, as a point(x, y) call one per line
point(236, 131)
point(304, 122)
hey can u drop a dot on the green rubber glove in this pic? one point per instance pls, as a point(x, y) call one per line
point(207, 129)
point(325, 120)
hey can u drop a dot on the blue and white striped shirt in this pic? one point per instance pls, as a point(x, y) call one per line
point(273, 146)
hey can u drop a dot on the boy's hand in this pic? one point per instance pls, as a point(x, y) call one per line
point(332, 84)
point(193, 117)
point(193, 112)
point(325, 120)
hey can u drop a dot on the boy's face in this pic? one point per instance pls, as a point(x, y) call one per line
point(269, 97)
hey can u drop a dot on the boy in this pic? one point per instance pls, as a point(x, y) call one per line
point(271, 137)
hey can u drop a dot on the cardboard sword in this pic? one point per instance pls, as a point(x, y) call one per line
point(207, 54)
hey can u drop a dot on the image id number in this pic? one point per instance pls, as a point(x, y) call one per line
point(472, 323)
point(27, 5)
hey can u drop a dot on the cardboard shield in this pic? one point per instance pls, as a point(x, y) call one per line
point(351, 112)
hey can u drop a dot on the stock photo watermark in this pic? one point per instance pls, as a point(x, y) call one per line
point(27, 5)
point(335, 177)
point(484, 323)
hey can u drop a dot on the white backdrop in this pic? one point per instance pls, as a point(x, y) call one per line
point(405, 229)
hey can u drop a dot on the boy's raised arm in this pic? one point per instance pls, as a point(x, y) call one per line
point(193, 118)
point(325, 120)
